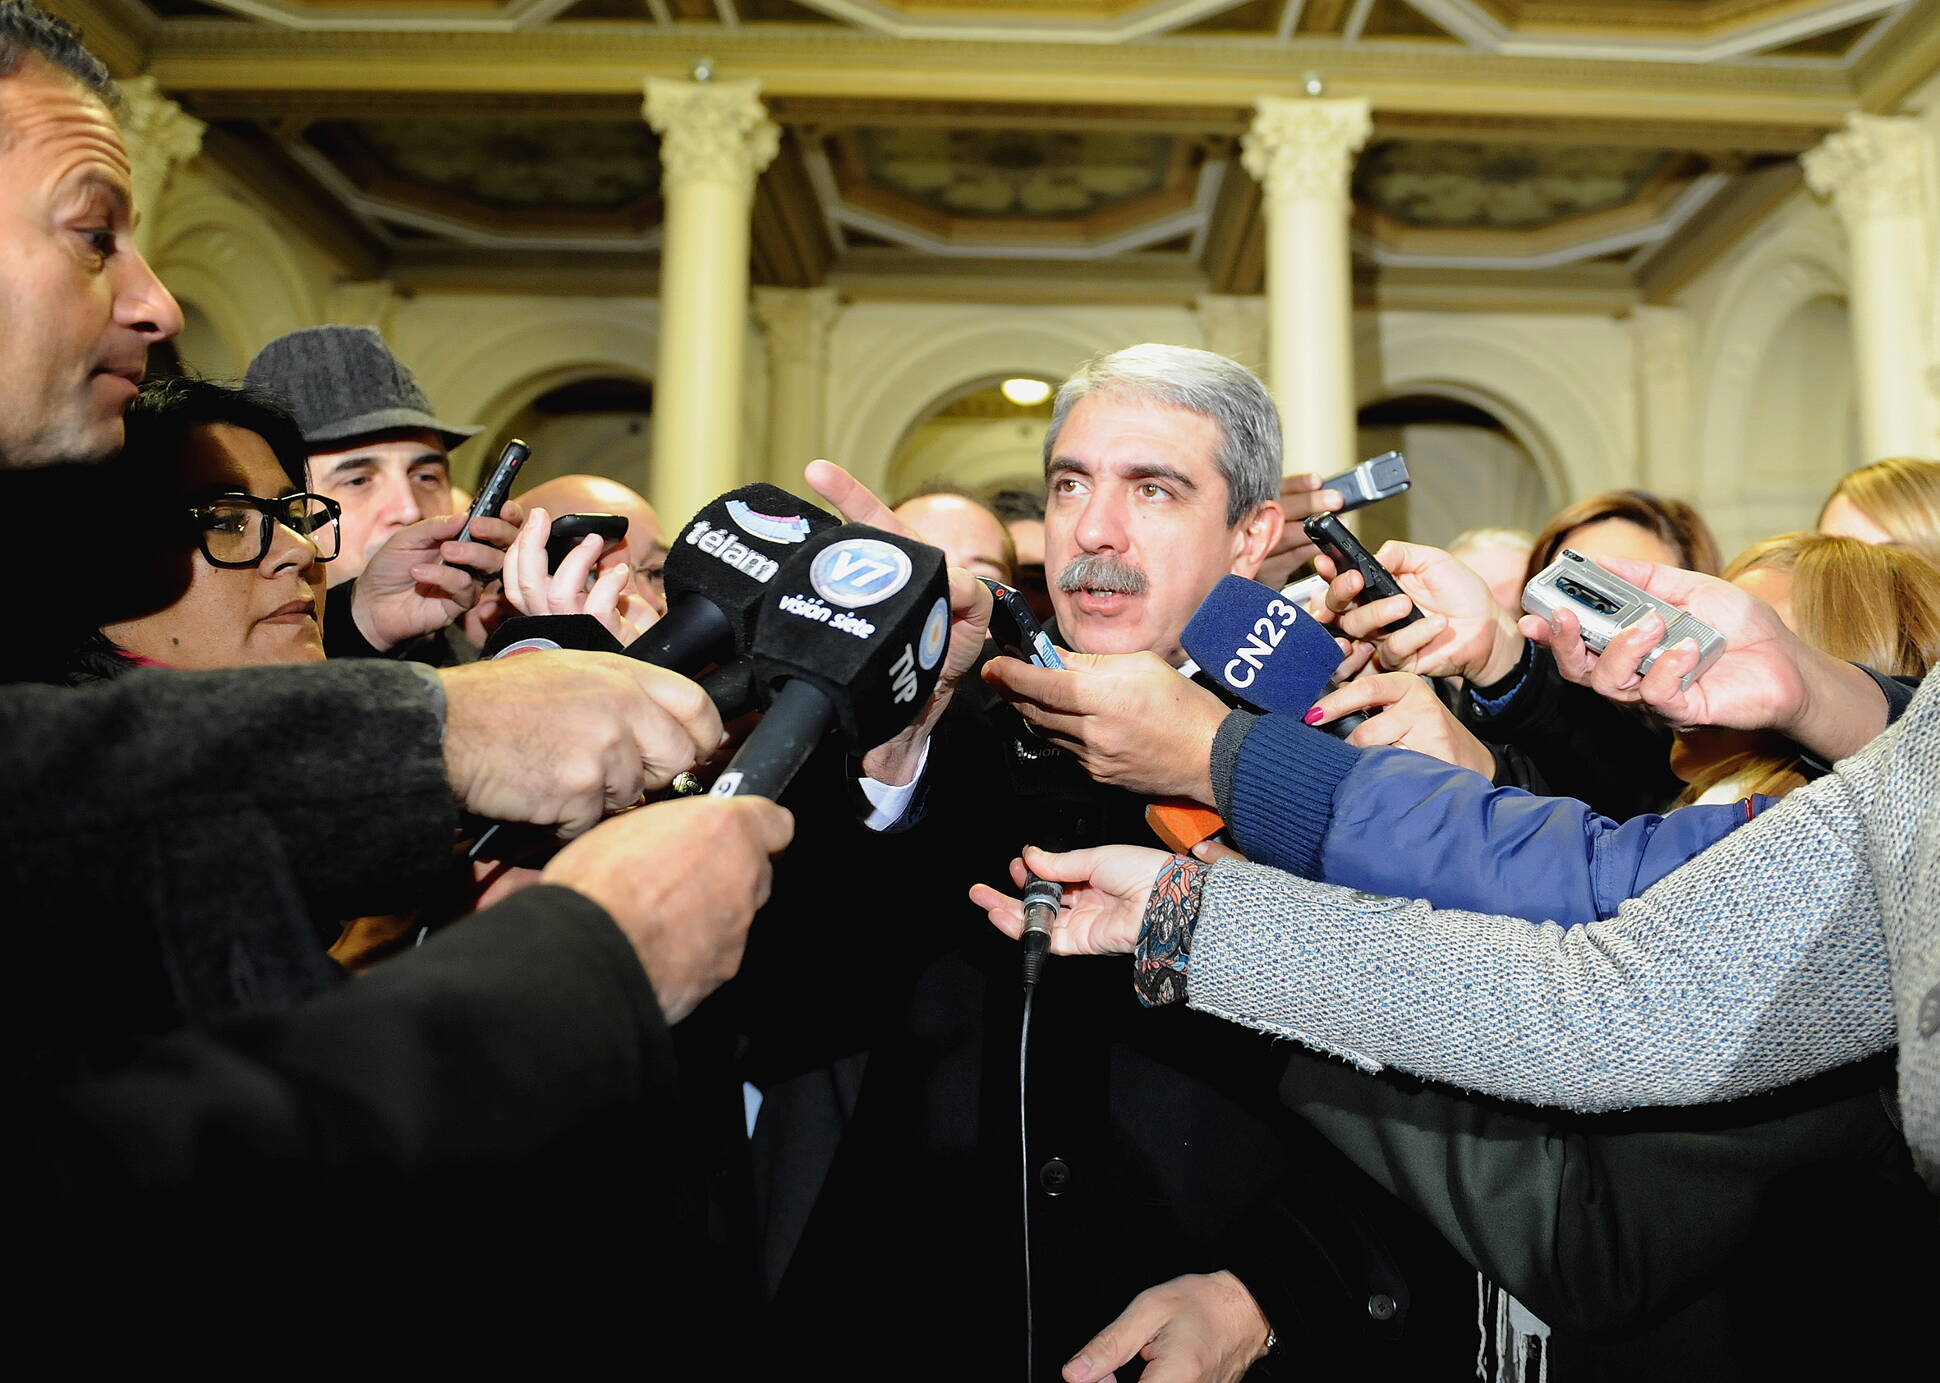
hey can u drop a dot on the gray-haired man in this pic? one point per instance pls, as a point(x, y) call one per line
point(1151, 1155)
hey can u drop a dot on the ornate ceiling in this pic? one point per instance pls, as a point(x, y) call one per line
point(1565, 150)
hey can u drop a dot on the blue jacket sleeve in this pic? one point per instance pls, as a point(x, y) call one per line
point(1395, 822)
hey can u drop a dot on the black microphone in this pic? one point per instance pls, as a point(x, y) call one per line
point(548, 633)
point(719, 571)
point(1042, 899)
point(851, 636)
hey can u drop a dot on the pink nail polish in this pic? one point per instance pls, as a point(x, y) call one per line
point(1315, 716)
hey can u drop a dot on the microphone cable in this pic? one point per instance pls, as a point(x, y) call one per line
point(1041, 900)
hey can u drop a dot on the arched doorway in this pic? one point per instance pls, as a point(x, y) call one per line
point(1801, 427)
point(1469, 469)
point(598, 424)
point(975, 437)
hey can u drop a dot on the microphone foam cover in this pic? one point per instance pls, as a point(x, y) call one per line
point(1261, 646)
point(864, 615)
point(728, 553)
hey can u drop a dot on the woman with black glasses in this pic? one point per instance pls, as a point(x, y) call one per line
point(207, 550)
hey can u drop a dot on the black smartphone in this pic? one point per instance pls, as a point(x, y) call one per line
point(497, 487)
point(1015, 630)
point(569, 530)
point(1330, 535)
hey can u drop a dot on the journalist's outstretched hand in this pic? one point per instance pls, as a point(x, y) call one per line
point(897, 761)
point(682, 879)
point(1129, 718)
point(1767, 678)
point(533, 588)
point(1407, 714)
point(1463, 632)
point(562, 739)
point(1106, 890)
point(1300, 497)
point(421, 579)
point(1200, 1328)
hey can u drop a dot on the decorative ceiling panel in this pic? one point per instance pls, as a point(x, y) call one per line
point(1458, 185)
point(1027, 174)
point(572, 171)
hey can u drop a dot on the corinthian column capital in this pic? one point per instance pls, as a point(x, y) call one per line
point(1871, 168)
point(797, 321)
point(1303, 147)
point(714, 131)
point(159, 135)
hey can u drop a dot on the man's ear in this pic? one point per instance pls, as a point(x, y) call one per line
point(1255, 537)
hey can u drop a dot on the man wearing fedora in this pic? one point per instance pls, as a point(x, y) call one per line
point(375, 445)
point(378, 450)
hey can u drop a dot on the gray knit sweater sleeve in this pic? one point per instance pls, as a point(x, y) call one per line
point(1757, 964)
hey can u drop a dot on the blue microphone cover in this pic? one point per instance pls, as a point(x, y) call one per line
point(1261, 646)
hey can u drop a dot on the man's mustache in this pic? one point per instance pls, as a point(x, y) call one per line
point(1100, 571)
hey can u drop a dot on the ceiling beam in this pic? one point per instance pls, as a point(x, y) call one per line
point(260, 164)
point(1745, 202)
point(1234, 256)
point(1603, 290)
point(571, 274)
point(904, 275)
point(790, 242)
point(203, 57)
point(1904, 58)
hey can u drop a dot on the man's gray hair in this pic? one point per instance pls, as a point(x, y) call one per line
point(1225, 391)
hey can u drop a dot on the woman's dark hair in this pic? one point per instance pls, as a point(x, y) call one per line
point(1672, 521)
point(167, 410)
point(122, 507)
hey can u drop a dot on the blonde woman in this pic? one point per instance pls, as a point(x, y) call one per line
point(1875, 605)
point(1892, 502)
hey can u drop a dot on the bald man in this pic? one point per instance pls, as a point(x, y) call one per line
point(968, 532)
point(646, 545)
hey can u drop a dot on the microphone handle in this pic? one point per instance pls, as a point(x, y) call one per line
point(789, 732)
point(692, 634)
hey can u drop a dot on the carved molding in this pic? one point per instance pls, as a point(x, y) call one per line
point(1869, 169)
point(714, 131)
point(159, 135)
point(1304, 148)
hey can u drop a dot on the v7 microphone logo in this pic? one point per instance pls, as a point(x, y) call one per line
point(858, 571)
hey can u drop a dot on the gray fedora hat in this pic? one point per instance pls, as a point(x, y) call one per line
point(343, 382)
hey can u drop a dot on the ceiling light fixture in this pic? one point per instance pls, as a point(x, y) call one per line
point(1026, 393)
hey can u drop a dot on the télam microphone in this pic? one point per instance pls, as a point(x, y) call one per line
point(719, 572)
point(851, 635)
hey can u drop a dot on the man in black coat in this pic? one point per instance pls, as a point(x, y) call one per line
point(182, 1057)
point(1156, 1166)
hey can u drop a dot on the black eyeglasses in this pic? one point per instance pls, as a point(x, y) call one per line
point(235, 530)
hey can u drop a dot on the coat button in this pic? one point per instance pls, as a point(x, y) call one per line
point(1381, 1306)
point(1361, 897)
point(1055, 1177)
point(1930, 1012)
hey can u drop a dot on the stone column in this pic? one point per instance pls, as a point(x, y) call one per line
point(1660, 343)
point(1302, 151)
point(715, 138)
point(797, 323)
point(1234, 325)
point(1872, 172)
point(159, 135)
